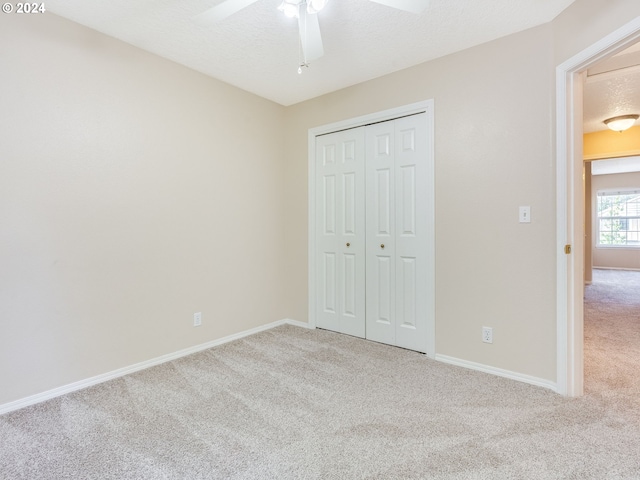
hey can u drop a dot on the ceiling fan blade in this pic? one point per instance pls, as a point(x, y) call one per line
point(309, 34)
point(413, 6)
point(222, 11)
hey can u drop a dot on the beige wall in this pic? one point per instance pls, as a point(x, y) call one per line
point(492, 154)
point(133, 193)
point(586, 22)
point(614, 257)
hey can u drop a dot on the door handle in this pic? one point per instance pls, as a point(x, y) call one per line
point(382, 246)
point(348, 244)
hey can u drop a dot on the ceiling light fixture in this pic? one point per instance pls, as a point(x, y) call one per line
point(314, 6)
point(289, 8)
point(621, 122)
point(305, 11)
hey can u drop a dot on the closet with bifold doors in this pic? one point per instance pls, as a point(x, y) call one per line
point(372, 234)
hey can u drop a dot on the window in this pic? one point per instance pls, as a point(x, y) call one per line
point(618, 218)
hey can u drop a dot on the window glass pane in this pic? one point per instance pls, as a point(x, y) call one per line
point(618, 218)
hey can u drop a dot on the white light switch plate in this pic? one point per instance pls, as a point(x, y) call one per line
point(525, 214)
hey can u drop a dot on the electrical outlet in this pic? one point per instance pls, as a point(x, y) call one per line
point(197, 319)
point(487, 334)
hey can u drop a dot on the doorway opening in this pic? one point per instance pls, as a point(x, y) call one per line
point(571, 204)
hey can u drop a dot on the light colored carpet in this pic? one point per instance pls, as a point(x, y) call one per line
point(292, 403)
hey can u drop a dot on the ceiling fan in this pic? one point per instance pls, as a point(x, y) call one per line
point(306, 13)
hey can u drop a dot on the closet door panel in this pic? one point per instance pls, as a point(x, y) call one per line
point(411, 233)
point(329, 288)
point(328, 206)
point(340, 243)
point(407, 201)
point(407, 301)
point(383, 299)
point(381, 282)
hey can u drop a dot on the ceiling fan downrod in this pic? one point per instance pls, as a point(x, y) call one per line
point(291, 8)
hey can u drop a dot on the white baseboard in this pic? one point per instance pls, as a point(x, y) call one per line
point(297, 323)
point(617, 268)
point(520, 377)
point(72, 387)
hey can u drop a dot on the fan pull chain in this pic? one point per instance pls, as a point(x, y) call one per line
point(302, 61)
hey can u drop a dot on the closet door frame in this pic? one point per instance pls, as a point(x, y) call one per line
point(428, 211)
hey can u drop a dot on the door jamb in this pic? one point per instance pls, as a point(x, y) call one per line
point(570, 199)
point(425, 106)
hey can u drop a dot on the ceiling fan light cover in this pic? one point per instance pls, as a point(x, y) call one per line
point(621, 123)
point(314, 6)
point(289, 8)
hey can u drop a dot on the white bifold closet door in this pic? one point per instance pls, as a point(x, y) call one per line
point(340, 231)
point(371, 236)
point(396, 226)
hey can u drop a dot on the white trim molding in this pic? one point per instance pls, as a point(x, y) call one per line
point(623, 269)
point(520, 377)
point(88, 382)
point(603, 156)
point(569, 206)
point(426, 106)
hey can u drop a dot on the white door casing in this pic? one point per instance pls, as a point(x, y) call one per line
point(340, 231)
point(569, 220)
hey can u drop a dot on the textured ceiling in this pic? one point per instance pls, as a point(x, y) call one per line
point(612, 88)
point(257, 49)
